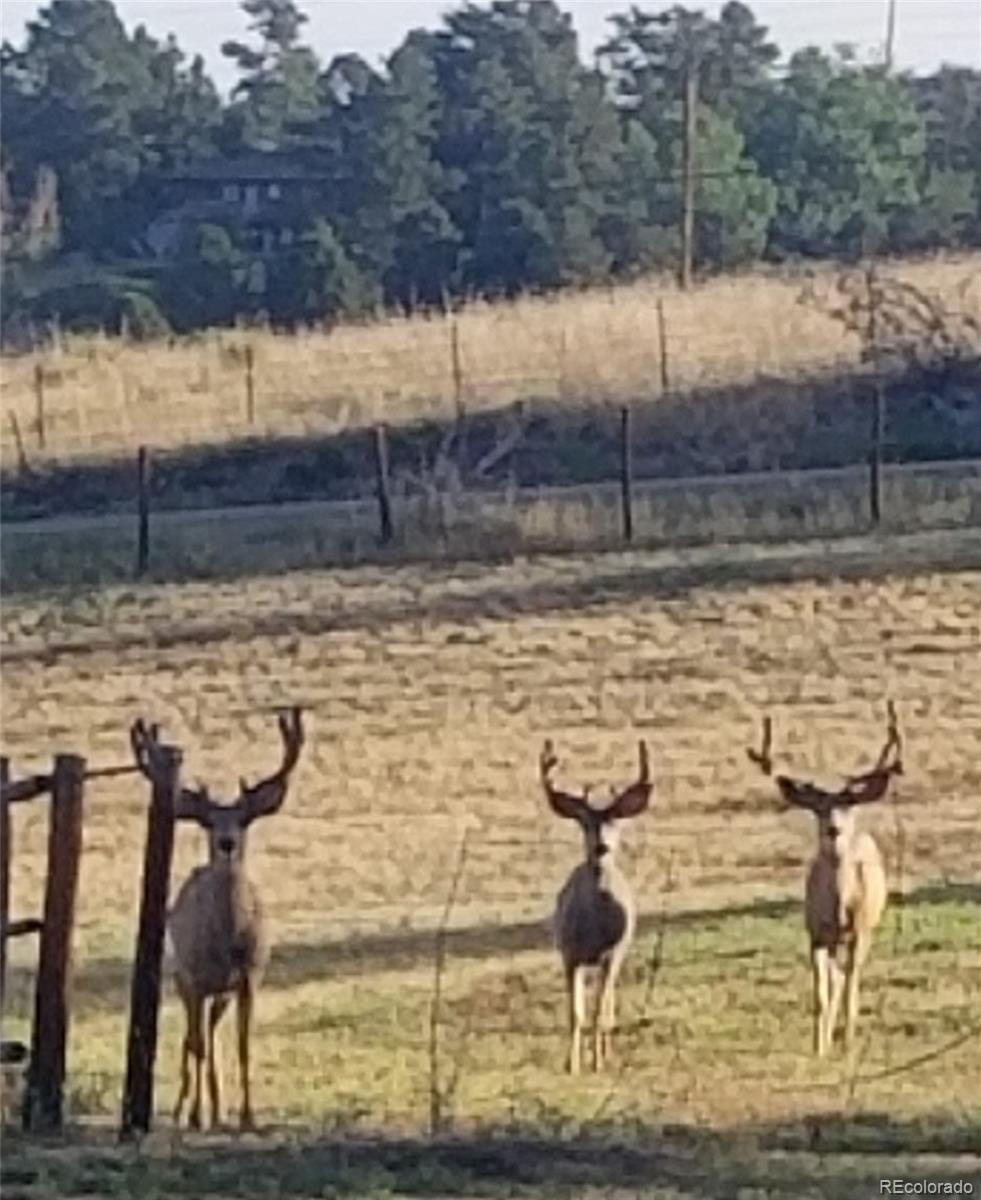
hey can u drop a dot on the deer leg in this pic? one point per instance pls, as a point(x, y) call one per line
point(194, 1046)
point(605, 1017)
point(243, 1011)
point(836, 987)
point(819, 965)
point(576, 988)
point(185, 1083)
point(856, 960)
point(218, 1006)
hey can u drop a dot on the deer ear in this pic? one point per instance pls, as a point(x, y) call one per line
point(193, 804)
point(564, 805)
point(803, 795)
point(865, 789)
point(630, 803)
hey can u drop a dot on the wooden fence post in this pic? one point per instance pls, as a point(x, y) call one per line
point(5, 855)
point(386, 529)
point(626, 475)
point(42, 432)
point(250, 384)
point(457, 367)
point(142, 511)
point(141, 1046)
point(44, 1102)
point(662, 345)
point(875, 454)
point(23, 466)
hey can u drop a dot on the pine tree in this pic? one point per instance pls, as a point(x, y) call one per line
point(279, 88)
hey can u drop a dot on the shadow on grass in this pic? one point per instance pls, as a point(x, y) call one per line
point(622, 581)
point(101, 982)
point(833, 1156)
point(791, 423)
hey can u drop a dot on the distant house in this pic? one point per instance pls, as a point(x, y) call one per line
point(263, 193)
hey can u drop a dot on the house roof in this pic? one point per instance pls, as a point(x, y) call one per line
point(258, 167)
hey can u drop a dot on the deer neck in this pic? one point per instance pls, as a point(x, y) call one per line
point(232, 888)
point(838, 864)
point(603, 873)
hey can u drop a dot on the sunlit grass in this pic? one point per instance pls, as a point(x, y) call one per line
point(105, 396)
point(429, 693)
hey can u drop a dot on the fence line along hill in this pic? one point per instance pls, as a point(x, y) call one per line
point(99, 397)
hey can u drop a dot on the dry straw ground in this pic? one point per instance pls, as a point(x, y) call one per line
point(105, 396)
point(429, 694)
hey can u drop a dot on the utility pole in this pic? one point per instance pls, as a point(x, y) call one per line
point(690, 107)
point(890, 34)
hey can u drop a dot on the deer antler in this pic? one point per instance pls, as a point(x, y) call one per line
point(563, 803)
point(189, 804)
point(762, 756)
point(794, 791)
point(267, 796)
point(635, 798)
point(547, 762)
point(873, 785)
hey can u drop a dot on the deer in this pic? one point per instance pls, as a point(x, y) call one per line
point(216, 923)
point(594, 914)
point(845, 892)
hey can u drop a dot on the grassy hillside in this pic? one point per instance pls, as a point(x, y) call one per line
point(429, 694)
point(103, 397)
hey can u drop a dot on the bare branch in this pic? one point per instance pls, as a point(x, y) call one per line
point(438, 1095)
point(504, 446)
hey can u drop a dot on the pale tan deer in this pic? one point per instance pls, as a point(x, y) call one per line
point(846, 890)
point(216, 923)
point(594, 913)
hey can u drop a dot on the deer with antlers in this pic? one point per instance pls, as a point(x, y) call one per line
point(845, 892)
point(594, 913)
point(216, 923)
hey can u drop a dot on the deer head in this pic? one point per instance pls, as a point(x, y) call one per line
point(600, 826)
point(226, 824)
point(835, 809)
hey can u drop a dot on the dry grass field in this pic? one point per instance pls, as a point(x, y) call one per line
point(103, 397)
point(429, 693)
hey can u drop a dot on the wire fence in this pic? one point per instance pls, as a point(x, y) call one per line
point(635, 416)
point(448, 991)
point(447, 526)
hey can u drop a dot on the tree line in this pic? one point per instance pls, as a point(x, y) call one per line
point(486, 157)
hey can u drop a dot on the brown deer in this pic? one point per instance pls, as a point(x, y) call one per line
point(594, 914)
point(845, 892)
point(216, 923)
